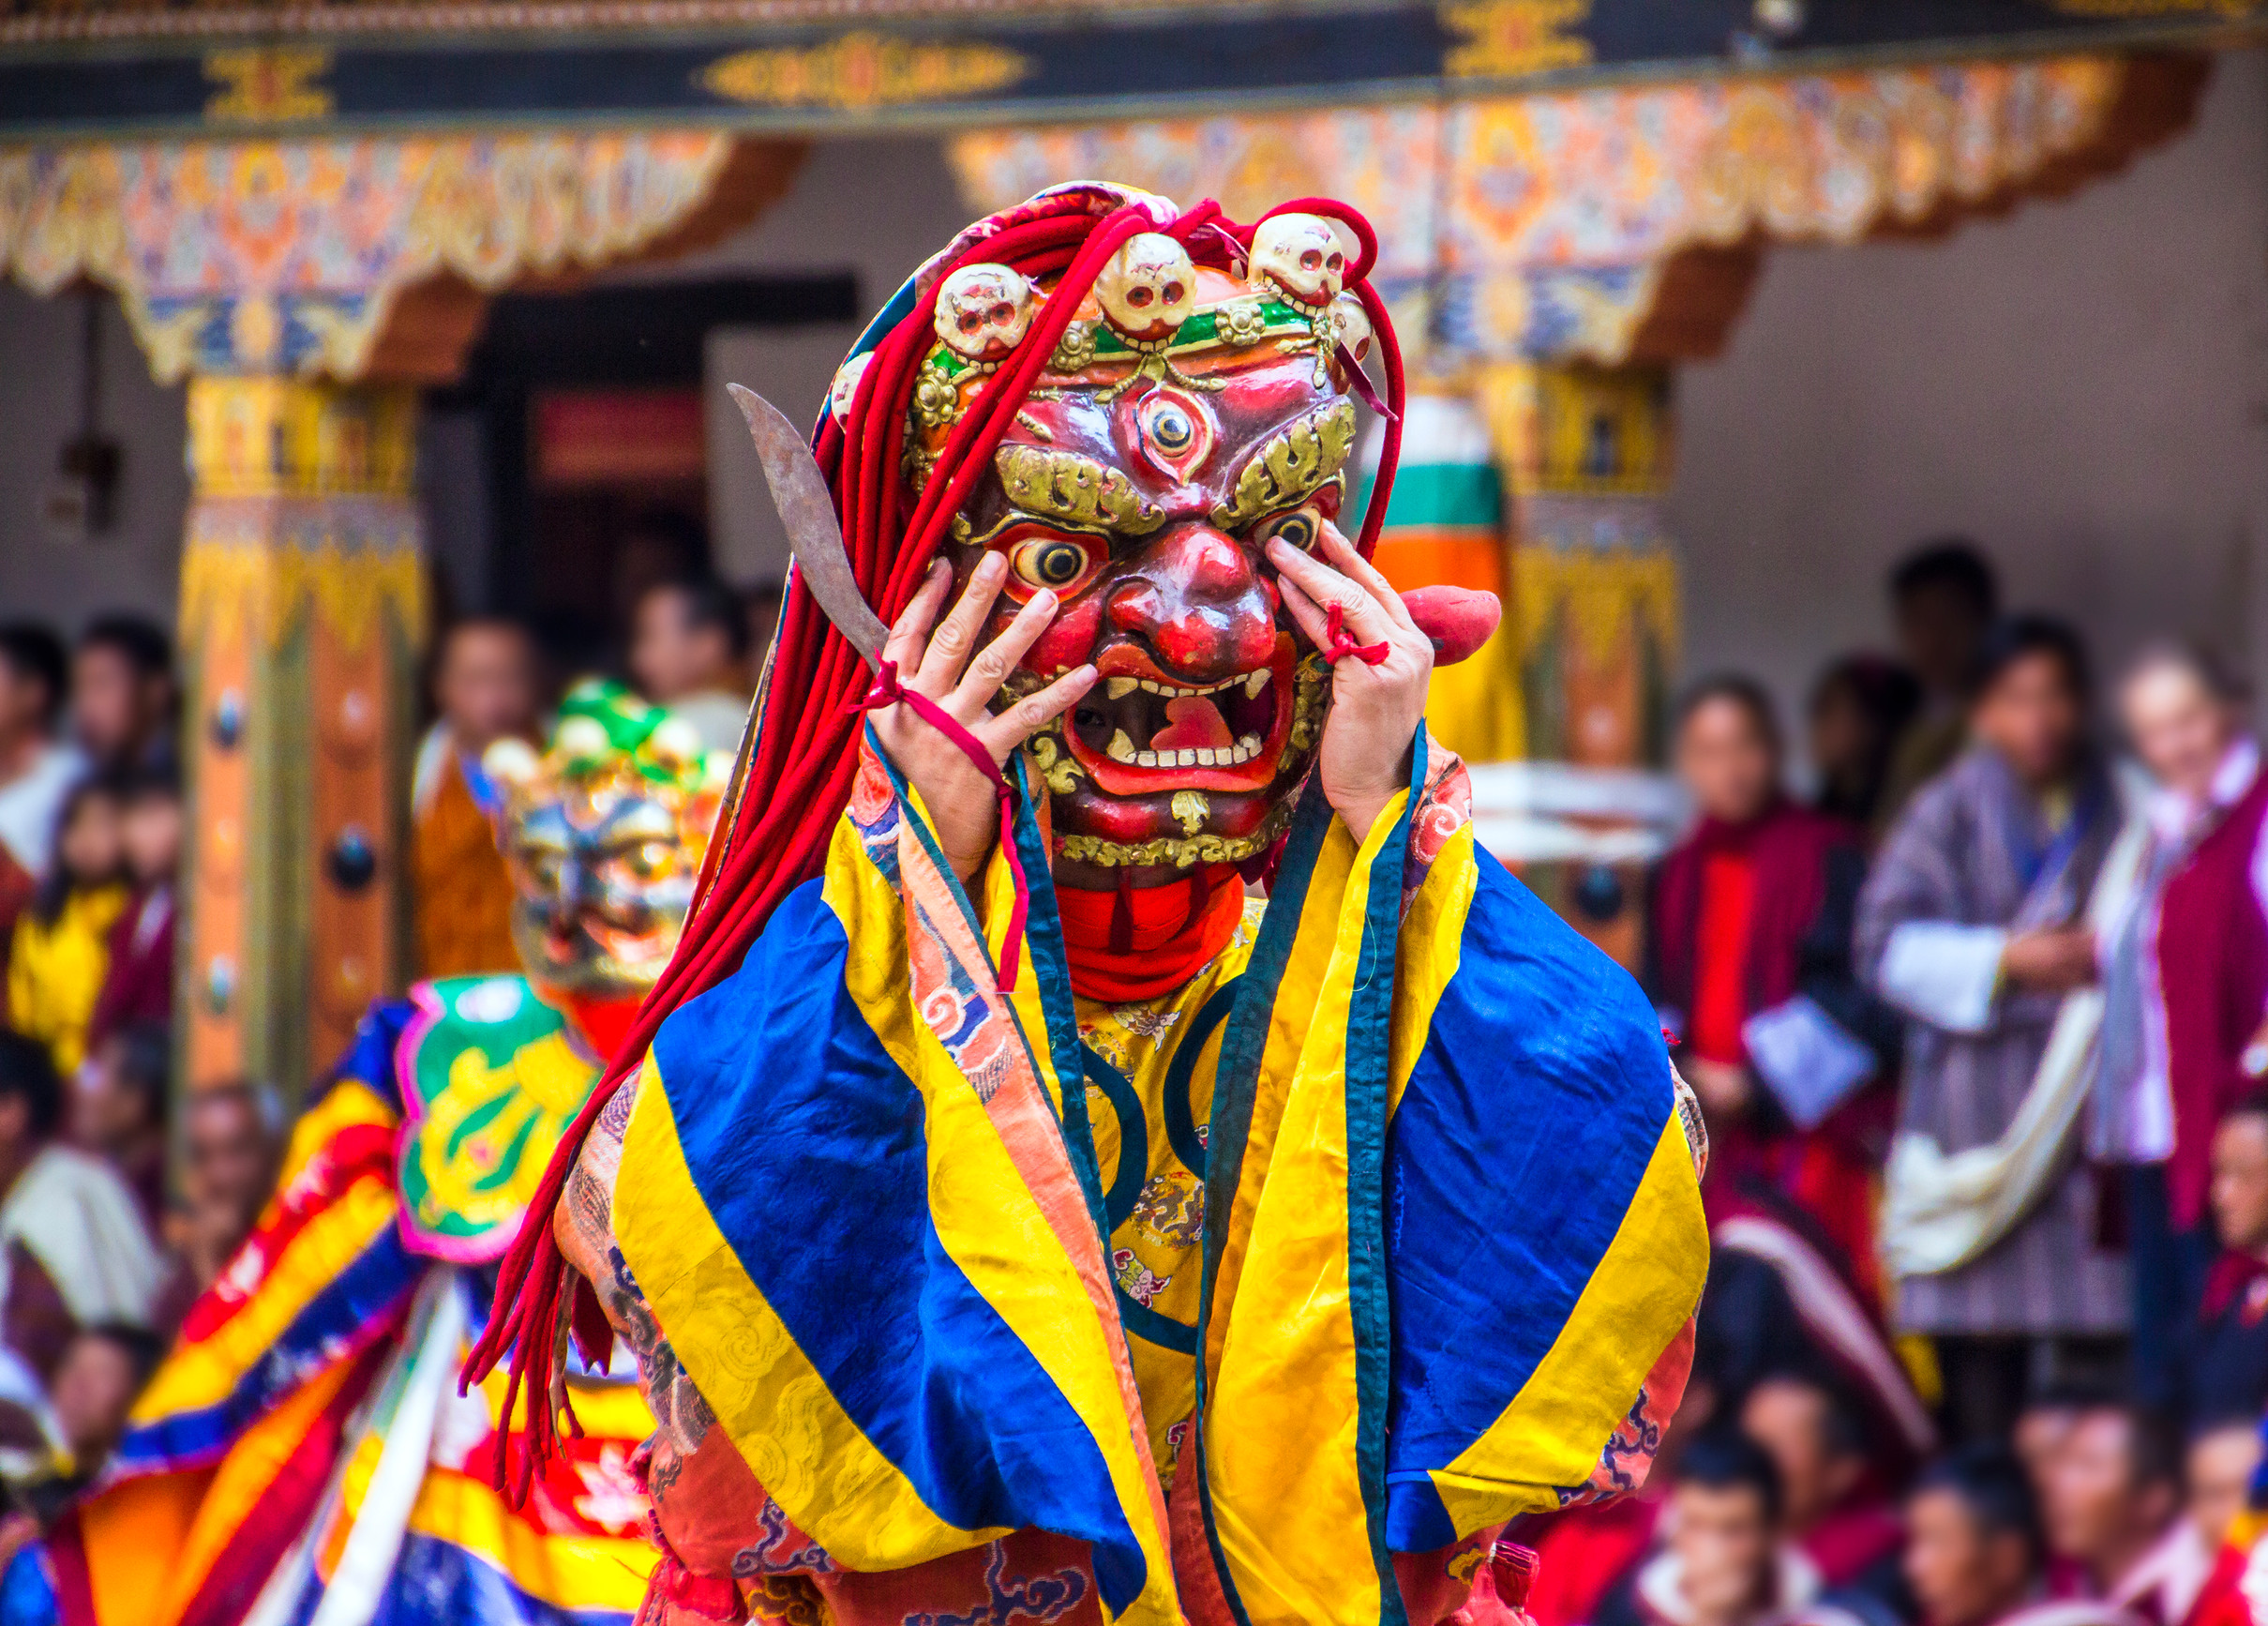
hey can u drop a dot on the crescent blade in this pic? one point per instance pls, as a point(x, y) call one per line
point(806, 511)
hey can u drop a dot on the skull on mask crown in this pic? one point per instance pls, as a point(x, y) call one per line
point(984, 311)
point(1148, 289)
point(1301, 256)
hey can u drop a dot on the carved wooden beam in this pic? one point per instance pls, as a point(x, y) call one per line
point(305, 288)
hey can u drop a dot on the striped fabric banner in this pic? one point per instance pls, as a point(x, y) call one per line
point(1446, 524)
point(427, 1540)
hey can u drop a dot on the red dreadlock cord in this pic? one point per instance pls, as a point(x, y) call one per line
point(887, 691)
point(1397, 404)
point(803, 766)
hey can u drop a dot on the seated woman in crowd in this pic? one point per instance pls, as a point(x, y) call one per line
point(1750, 963)
point(1976, 1552)
point(1834, 1507)
point(2111, 1499)
point(1724, 1562)
point(2221, 1367)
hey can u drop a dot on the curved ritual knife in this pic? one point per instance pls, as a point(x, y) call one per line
point(799, 491)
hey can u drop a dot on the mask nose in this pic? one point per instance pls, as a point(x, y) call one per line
point(1195, 597)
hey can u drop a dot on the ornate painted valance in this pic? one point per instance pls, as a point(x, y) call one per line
point(133, 69)
point(290, 257)
point(1553, 226)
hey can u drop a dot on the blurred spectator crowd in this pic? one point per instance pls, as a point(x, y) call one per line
point(1978, 1021)
point(121, 1201)
point(1979, 1030)
point(100, 1251)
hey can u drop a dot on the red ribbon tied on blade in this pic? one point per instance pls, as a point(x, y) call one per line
point(888, 691)
point(1341, 644)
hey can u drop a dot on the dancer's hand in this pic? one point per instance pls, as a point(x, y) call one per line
point(961, 801)
point(1374, 710)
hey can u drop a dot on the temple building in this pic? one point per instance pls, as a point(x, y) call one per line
point(328, 321)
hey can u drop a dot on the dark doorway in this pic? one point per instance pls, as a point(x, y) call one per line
point(589, 411)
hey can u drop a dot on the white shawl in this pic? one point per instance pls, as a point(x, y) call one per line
point(1941, 1211)
point(76, 1216)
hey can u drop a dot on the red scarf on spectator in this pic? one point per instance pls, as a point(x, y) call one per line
point(1788, 847)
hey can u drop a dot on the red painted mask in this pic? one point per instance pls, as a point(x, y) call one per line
point(1188, 417)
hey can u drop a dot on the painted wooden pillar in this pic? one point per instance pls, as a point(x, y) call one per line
point(283, 278)
point(1585, 455)
point(1446, 524)
point(302, 614)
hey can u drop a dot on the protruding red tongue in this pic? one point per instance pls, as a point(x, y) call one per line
point(1192, 723)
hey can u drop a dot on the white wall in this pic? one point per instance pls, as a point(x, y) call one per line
point(134, 565)
point(876, 208)
point(2082, 387)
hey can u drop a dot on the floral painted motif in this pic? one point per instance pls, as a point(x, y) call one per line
point(784, 1551)
point(1140, 1283)
point(287, 257)
point(1561, 209)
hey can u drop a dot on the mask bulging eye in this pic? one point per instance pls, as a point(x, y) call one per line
point(1054, 561)
point(1300, 528)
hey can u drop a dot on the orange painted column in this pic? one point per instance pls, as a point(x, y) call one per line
point(1587, 455)
point(302, 612)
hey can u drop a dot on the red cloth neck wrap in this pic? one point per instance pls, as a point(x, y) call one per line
point(1136, 943)
point(602, 1023)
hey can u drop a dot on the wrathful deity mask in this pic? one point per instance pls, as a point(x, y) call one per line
point(1188, 415)
point(603, 834)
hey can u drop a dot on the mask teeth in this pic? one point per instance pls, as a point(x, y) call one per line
point(1243, 751)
